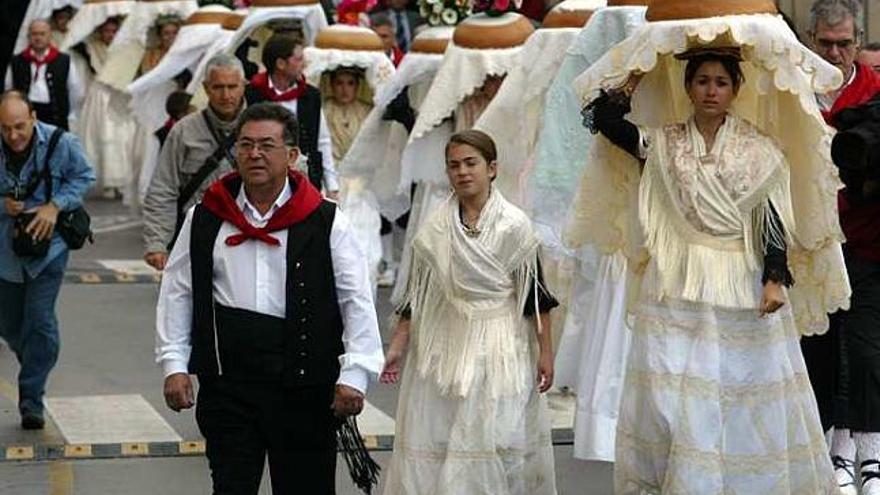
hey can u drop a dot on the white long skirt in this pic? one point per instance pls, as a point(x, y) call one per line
point(108, 130)
point(717, 401)
point(472, 445)
point(596, 342)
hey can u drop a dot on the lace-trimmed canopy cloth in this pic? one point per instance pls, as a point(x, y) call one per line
point(778, 97)
point(91, 16)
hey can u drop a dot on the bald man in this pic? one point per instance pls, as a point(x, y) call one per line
point(29, 282)
point(46, 76)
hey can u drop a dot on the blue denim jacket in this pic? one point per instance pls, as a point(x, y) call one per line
point(72, 176)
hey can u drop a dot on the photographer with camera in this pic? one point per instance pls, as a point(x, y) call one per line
point(44, 175)
point(844, 363)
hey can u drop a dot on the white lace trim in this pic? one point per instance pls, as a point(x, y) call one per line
point(514, 116)
point(312, 17)
point(124, 55)
point(92, 15)
point(377, 66)
point(40, 10)
point(414, 68)
point(463, 71)
point(767, 41)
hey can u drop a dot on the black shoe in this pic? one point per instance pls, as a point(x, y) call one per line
point(32, 421)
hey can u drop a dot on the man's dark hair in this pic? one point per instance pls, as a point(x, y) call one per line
point(275, 113)
point(279, 46)
point(872, 47)
point(380, 19)
point(14, 94)
point(177, 104)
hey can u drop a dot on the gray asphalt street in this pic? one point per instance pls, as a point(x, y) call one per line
point(109, 430)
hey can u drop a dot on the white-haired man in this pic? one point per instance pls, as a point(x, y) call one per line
point(197, 151)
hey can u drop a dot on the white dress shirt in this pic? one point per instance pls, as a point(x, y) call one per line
point(325, 143)
point(252, 276)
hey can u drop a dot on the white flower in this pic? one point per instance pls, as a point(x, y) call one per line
point(434, 20)
point(450, 17)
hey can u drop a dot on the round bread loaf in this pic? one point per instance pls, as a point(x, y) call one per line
point(281, 3)
point(209, 18)
point(623, 3)
point(344, 37)
point(432, 40)
point(233, 22)
point(483, 32)
point(670, 10)
point(558, 18)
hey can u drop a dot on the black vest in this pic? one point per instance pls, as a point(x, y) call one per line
point(308, 115)
point(56, 111)
point(301, 349)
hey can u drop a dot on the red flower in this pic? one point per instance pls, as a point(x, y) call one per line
point(501, 5)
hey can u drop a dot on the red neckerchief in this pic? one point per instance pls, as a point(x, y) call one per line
point(218, 200)
point(169, 123)
point(32, 58)
point(396, 56)
point(863, 88)
point(261, 83)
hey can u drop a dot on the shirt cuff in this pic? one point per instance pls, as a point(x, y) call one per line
point(355, 378)
point(172, 366)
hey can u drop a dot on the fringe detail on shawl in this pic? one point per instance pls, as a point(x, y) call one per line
point(456, 344)
point(698, 267)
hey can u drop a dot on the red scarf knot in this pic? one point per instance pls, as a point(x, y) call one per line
point(219, 200)
point(31, 57)
point(261, 82)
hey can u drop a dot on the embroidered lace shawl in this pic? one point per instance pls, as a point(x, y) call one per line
point(704, 214)
point(467, 295)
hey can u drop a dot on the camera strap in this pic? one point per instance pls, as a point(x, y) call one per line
point(44, 174)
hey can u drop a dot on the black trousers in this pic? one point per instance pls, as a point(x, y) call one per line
point(243, 422)
point(844, 364)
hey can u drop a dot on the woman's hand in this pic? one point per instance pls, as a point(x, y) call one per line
point(396, 352)
point(773, 298)
point(545, 370)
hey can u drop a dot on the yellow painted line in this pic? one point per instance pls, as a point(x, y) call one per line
point(60, 478)
point(135, 449)
point(371, 441)
point(195, 447)
point(124, 277)
point(90, 278)
point(74, 451)
point(20, 452)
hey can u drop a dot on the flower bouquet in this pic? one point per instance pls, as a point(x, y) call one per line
point(444, 12)
point(494, 8)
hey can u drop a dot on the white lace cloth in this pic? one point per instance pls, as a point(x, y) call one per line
point(92, 15)
point(218, 46)
point(150, 90)
point(515, 114)
point(127, 49)
point(375, 155)
point(40, 9)
point(377, 66)
point(312, 17)
point(781, 78)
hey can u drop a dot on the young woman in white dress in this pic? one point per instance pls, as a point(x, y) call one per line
point(471, 418)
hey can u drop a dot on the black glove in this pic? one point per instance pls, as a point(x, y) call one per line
point(399, 110)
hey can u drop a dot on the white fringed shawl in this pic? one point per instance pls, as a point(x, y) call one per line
point(467, 296)
point(705, 216)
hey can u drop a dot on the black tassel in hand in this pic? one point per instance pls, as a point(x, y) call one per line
point(363, 469)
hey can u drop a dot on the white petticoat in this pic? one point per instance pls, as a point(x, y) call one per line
point(718, 401)
point(472, 445)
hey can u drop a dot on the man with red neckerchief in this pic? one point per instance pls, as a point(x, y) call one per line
point(46, 77)
point(844, 364)
point(266, 298)
point(283, 83)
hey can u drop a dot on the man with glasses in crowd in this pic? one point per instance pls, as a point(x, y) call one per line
point(844, 363)
point(266, 299)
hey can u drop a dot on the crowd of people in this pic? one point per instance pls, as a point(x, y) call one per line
point(691, 195)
